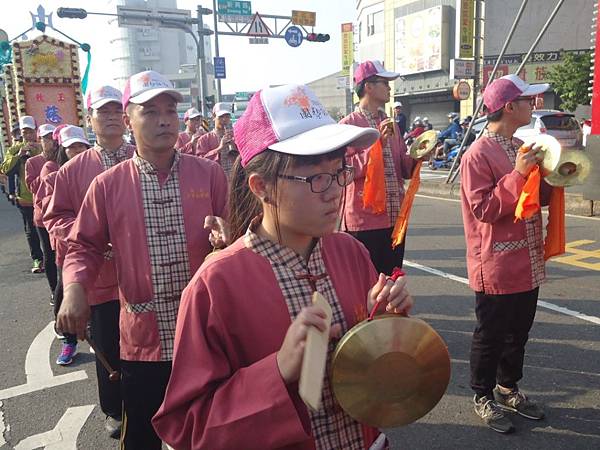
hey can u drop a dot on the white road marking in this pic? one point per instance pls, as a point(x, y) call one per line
point(37, 368)
point(593, 319)
point(3, 427)
point(64, 435)
point(574, 216)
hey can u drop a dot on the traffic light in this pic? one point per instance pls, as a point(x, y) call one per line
point(317, 37)
point(71, 13)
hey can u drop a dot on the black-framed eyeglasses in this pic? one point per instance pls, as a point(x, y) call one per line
point(530, 100)
point(320, 182)
point(379, 80)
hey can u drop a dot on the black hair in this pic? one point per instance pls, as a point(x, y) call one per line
point(495, 116)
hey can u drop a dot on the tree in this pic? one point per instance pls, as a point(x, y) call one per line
point(570, 80)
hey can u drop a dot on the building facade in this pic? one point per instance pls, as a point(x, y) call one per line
point(334, 94)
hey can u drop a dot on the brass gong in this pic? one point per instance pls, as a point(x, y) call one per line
point(390, 371)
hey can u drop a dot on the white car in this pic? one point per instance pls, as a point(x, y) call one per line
point(563, 126)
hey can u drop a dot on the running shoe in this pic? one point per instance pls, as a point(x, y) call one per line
point(66, 354)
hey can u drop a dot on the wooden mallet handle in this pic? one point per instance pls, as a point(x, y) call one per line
point(113, 375)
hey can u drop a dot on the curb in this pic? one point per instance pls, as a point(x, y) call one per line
point(574, 203)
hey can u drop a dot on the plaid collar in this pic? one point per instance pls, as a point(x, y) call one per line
point(370, 116)
point(505, 143)
point(279, 254)
point(149, 168)
point(120, 153)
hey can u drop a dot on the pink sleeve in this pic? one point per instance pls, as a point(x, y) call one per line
point(219, 190)
point(31, 178)
point(46, 189)
point(60, 213)
point(489, 200)
point(210, 405)
point(204, 145)
point(87, 240)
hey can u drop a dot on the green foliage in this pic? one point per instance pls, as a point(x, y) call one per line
point(570, 80)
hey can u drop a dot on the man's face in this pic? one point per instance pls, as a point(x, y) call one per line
point(378, 89)
point(107, 121)
point(398, 110)
point(155, 124)
point(193, 124)
point(222, 122)
point(29, 135)
point(520, 110)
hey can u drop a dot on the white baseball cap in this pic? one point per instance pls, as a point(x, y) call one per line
point(507, 88)
point(291, 119)
point(144, 86)
point(103, 95)
point(220, 109)
point(191, 113)
point(45, 129)
point(27, 122)
point(72, 134)
point(397, 104)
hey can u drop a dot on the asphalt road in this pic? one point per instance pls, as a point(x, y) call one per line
point(44, 405)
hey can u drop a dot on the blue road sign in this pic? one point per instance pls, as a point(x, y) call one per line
point(293, 36)
point(219, 63)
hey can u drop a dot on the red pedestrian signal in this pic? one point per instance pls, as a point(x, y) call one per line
point(317, 37)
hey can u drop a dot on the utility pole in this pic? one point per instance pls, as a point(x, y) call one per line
point(201, 64)
point(215, 25)
point(478, 53)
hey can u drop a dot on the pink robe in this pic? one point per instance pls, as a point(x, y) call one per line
point(112, 211)
point(490, 189)
point(225, 390)
point(204, 144)
point(356, 217)
point(44, 192)
point(33, 167)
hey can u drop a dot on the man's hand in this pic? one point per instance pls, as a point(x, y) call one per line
point(386, 129)
point(74, 311)
point(220, 235)
point(527, 157)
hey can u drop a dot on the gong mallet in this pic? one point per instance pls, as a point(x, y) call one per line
point(113, 375)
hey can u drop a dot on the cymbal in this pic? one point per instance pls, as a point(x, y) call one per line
point(390, 371)
point(423, 144)
point(573, 168)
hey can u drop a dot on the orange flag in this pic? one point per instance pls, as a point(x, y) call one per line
point(374, 189)
point(409, 197)
point(554, 244)
point(529, 201)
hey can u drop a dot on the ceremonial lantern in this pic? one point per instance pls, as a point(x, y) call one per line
point(423, 144)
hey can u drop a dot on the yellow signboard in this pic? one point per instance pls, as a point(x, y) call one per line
point(347, 48)
point(467, 21)
point(304, 18)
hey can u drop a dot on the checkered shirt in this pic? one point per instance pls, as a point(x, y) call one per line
point(227, 156)
point(331, 427)
point(110, 159)
point(393, 189)
point(534, 237)
point(167, 246)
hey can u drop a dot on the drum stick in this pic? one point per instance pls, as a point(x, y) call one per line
point(113, 375)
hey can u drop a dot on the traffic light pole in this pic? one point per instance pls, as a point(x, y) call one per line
point(215, 28)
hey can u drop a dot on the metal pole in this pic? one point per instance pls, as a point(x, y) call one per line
point(477, 50)
point(201, 64)
point(539, 36)
point(451, 175)
point(215, 22)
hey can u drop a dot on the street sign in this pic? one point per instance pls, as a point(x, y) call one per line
point(135, 16)
point(235, 8)
point(258, 40)
point(462, 90)
point(304, 18)
point(462, 68)
point(293, 36)
point(219, 64)
point(258, 27)
point(235, 11)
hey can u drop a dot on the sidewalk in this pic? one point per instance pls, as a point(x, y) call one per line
point(433, 182)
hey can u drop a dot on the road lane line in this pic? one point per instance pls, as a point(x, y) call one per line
point(454, 200)
point(37, 368)
point(64, 435)
point(593, 319)
point(3, 427)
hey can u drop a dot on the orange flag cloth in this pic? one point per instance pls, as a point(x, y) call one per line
point(409, 197)
point(554, 244)
point(529, 201)
point(374, 189)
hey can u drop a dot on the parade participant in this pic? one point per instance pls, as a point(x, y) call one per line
point(105, 116)
point(14, 164)
point(12, 177)
point(375, 229)
point(505, 258)
point(400, 118)
point(193, 128)
point(151, 210)
point(33, 168)
point(245, 314)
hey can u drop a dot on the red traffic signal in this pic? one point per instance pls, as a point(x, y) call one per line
point(317, 37)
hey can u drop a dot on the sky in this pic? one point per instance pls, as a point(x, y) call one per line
point(249, 67)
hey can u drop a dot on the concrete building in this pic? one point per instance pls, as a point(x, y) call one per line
point(334, 94)
point(369, 30)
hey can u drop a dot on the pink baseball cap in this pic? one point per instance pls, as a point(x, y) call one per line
point(507, 88)
point(56, 132)
point(72, 134)
point(45, 129)
point(290, 119)
point(144, 86)
point(191, 113)
point(371, 68)
point(103, 95)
